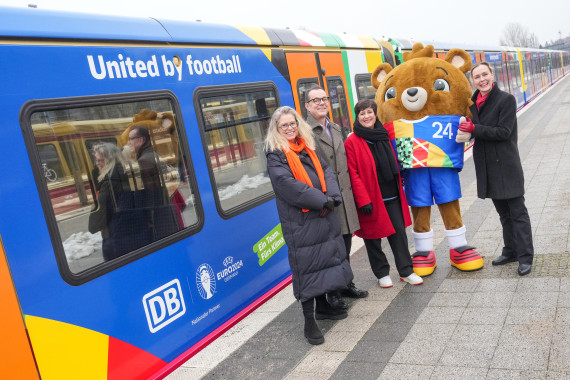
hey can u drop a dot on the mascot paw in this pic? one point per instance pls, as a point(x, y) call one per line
point(424, 263)
point(466, 258)
point(462, 137)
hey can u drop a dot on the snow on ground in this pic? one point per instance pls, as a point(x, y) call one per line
point(82, 244)
point(246, 182)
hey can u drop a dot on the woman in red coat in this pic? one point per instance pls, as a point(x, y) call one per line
point(379, 195)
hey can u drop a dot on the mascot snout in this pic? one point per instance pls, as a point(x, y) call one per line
point(414, 98)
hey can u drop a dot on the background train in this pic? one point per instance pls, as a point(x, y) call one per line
point(74, 80)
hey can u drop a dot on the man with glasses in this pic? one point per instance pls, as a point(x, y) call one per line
point(329, 143)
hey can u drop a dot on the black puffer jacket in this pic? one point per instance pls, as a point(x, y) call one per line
point(317, 254)
point(495, 152)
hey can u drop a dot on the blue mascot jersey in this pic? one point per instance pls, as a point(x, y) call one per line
point(427, 142)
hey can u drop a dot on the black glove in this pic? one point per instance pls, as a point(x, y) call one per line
point(366, 209)
point(329, 204)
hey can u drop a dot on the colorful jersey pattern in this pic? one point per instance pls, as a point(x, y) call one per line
point(427, 142)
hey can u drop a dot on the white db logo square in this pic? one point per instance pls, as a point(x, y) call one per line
point(164, 305)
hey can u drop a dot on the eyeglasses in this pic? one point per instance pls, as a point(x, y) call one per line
point(100, 161)
point(291, 125)
point(134, 137)
point(319, 100)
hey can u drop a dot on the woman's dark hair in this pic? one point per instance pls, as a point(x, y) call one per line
point(364, 104)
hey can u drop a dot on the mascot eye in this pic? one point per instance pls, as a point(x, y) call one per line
point(441, 85)
point(390, 94)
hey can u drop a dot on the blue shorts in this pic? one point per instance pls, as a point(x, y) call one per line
point(424, 185)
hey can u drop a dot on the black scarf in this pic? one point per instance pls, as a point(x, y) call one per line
point(380, 148)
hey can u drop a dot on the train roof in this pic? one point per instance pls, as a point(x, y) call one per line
point(40, 23)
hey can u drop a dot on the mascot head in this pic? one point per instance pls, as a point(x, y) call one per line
point(423, 85)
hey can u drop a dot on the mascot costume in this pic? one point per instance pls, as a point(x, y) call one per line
point(421, 103)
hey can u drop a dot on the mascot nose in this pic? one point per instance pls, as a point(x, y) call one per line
point(412, 91)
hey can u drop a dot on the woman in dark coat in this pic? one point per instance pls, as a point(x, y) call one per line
point(306, 194)
point(498, 165)
point(377, 188)
point(122, 228)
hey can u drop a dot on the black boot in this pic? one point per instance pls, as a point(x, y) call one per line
point(312, 331)
point(324, 311)
point(353, 292)
point(336, 301)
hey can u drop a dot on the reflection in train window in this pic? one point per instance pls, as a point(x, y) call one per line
point(302, 86)
point(339, 105)
point(235, 121)
point(364, 88)
point(117, 178)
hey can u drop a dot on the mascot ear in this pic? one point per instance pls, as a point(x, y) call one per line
point(460, 59)
point(380, 73)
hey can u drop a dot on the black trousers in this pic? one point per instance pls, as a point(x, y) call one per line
point(398, 243)
point(517, 232)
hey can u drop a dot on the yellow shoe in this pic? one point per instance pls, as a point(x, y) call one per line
point(424, 263)
point(466, 258)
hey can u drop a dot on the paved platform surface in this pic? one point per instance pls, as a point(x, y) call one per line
point(489, 324)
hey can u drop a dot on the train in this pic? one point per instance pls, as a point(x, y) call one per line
point(207, 92)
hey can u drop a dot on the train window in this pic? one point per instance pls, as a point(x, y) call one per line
point(338, 101)
point(115, 177)
point(302, 86)
point(364, 88)
point(234, 122)
point(498, 74)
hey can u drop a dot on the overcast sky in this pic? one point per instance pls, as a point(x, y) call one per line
point(474, 21)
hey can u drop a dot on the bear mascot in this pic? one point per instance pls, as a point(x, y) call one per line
point(421, 103)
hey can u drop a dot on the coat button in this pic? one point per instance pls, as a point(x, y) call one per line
point(331, 156)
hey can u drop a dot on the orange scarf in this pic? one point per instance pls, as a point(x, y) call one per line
point(297, 168)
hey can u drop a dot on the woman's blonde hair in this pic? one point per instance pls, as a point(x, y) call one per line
point(274, 140)
point(482, 63)
point(112, 155)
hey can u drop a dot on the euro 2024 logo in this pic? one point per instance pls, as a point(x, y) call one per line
point(205, 281)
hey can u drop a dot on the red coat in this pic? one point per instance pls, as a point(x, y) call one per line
point(364, 180)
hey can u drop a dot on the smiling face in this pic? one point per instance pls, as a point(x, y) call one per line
point(288, 127)
point(317, 104)
point(99, 160)
point(482, 79)
point(367, 118)
point(423, 85)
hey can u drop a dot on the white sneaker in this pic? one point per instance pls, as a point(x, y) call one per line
point(385, 282)
point(413, 279)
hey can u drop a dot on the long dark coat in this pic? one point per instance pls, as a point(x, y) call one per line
point(364, 178)
point(317, 254)
point(160, 213)
point(115, 214)
point(335, 156)
point(495, 152)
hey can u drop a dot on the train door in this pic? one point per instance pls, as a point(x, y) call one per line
point(327, 71)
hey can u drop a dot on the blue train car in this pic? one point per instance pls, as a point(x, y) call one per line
point(92, 315)
point(137, 220)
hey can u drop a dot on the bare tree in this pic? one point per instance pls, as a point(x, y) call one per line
point(515, 34)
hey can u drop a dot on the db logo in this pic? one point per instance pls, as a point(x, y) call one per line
point(164, 305)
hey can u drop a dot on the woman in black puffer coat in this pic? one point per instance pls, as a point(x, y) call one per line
point(306, 194)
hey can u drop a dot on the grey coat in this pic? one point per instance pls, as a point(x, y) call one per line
point(335, 156)
point(495, 152)
point(317, 254)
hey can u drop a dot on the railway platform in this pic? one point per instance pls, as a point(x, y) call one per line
point(489, 324)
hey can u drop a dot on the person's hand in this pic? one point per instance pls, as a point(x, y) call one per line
point(367, 209)
point(329, 204)
point(462, 137)
point(467, 126)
